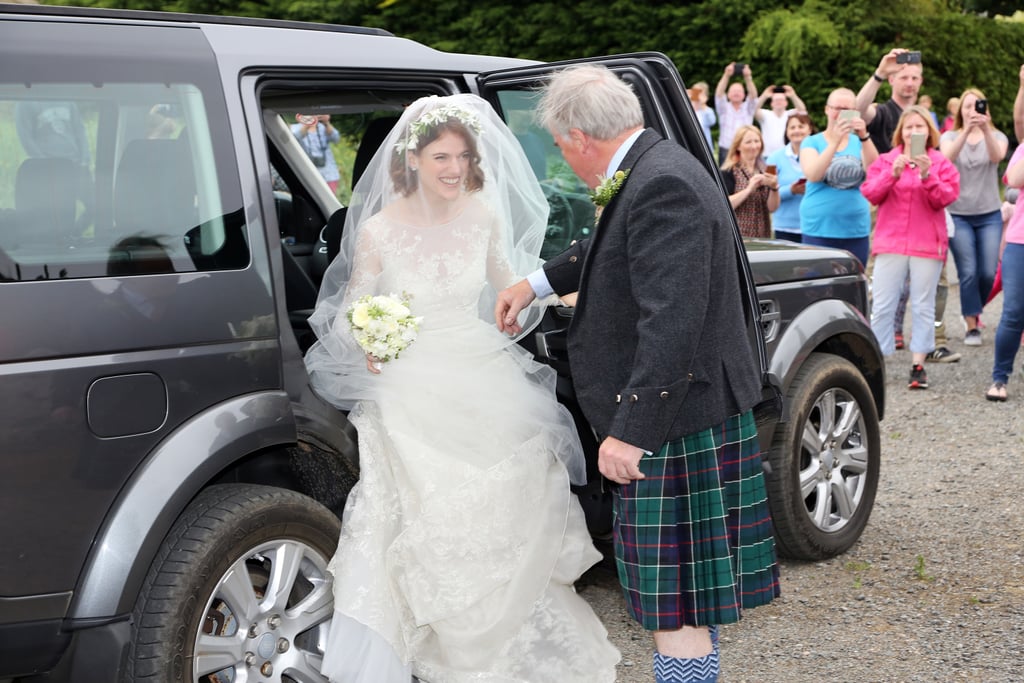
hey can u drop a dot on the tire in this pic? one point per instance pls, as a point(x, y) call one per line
point(238, 591)
point(825, 460)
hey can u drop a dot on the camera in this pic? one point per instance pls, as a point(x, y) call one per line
point(981, 106)
point(917, 142)
point(737, 69)
point(307, 119)
point(779, 89)
point(908, 58)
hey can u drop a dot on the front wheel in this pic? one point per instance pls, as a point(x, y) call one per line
point(238, 592)
point(825, 460)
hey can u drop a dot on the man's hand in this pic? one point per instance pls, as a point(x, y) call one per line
point(510, 302)
point(619, 461)
point(888, 66)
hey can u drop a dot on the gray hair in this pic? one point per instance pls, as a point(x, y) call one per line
point(591, 98)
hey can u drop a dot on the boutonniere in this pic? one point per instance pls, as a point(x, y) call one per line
point(608, 188)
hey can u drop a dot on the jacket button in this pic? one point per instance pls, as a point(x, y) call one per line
point(689, 376)
point(618, 398)
point(572, 259)
point(634, 398)
point(573, 243)
point(664, 395)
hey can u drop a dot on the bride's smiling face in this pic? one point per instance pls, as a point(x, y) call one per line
point(443, 166)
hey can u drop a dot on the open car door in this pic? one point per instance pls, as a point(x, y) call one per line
point(667, 109)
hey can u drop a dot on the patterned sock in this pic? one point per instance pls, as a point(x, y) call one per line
point(677, 670)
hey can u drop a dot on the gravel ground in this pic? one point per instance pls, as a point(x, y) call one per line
point(934, 589)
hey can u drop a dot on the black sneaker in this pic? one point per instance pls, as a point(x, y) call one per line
point(942, 355)
point(918, 378)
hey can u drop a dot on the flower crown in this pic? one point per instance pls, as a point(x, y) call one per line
point(432, 119)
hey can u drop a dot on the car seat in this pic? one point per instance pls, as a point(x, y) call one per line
point(154, 189)
point(45, 201)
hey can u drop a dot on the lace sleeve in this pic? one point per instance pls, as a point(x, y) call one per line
point(500, 273)
point(366, 267)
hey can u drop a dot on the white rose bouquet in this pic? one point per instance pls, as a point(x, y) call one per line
point(383, 326)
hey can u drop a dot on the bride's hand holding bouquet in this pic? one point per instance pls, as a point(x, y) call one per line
point(383, 326)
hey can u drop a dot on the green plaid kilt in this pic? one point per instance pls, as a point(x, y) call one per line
point(693, 540)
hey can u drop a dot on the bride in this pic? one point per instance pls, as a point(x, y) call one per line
point(461, 541)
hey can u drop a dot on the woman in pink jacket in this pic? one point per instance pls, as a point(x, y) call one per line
point(911, 188)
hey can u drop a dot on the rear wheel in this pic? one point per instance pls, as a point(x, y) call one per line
point(825, 460)
point(238, 592)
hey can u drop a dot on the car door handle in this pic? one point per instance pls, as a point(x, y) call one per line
point(551, 344)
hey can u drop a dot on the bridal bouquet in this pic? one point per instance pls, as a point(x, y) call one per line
point(383, 326)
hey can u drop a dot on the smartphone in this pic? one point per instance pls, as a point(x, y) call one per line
point(771, 169)
point(981, 106)
point(849, 115)
point(737, 69)
point(917, 144)
point(908, 58)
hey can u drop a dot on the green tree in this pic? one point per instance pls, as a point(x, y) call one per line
point(814, 45)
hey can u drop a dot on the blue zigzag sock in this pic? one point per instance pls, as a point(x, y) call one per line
point(678, 670)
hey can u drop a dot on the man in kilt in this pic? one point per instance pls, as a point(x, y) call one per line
point(663, 370)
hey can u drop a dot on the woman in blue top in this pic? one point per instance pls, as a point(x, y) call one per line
point(833, 212)
point(792, 183)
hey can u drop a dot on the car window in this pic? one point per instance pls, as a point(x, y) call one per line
point(113, 180)
point(572, 212)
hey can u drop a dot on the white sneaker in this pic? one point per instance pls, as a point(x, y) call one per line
point(973, 337)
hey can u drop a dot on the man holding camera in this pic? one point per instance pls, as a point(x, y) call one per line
point(316, 134)
point(903, 70)
point(773, 120)
point(736, 107)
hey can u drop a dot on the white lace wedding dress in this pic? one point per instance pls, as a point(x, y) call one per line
point(461, 541)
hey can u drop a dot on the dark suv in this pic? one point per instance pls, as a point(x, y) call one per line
point(172, 488)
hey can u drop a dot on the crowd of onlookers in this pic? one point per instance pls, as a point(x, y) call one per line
point(894, 186)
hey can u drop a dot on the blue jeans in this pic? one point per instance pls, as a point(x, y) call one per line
point(1011, 325)
point(975, 247)
point(858, 246)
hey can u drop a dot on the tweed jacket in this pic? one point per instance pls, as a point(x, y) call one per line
point(658, 344)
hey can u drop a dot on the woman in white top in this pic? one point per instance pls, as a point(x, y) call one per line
point(975, 147)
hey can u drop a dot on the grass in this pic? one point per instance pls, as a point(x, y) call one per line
point(857, 566)
point(919, 570)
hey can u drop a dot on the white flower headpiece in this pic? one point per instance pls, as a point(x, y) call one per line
point(432, 119)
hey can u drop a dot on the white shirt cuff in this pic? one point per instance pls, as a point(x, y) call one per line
point(538, 280)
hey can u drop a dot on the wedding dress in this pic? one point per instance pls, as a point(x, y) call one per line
point(461, 541)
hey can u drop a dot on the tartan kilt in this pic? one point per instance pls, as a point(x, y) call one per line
point(693, 540)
